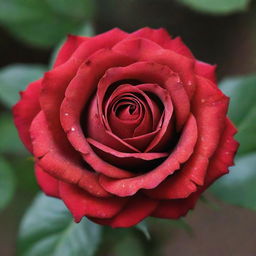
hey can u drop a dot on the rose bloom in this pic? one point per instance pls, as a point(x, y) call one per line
point(126, 126)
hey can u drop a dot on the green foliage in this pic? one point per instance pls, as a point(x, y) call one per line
point(48, 229)
point(242, 109)
point(239, 186)
point(217, 6)
point(44, 23)
point(7, 183)
point(15, 78)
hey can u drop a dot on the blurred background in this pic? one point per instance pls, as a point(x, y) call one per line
point(221, 32)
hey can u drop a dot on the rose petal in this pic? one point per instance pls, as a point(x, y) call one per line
point(142, 142)
point(61, 161)
point(180, 101)
point(136, 162)
point(183, 150)
point(71, 44)
point(206, 70)
point(166, 123)
point(174, 209)
point(178, 46)
point(224, 155)
point(25, 111)
point(136, 209)
point(47, 183)
point(83, 204)
point(159, 36)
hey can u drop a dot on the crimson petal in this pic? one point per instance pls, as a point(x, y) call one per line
point(61, 161)
point(135, 210)
point(25, 111)
point(144, 50)
point(47, 183)
point(81, 204)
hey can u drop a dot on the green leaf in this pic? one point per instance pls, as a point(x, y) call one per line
point(44, 23)
point(239, 186)
point(143, 227)
point(217, 6)
point(242, 109)
point(10, 142)
point(48, 229)
point(15, 78)
point(7, 183)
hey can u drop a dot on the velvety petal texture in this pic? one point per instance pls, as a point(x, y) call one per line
point(126, 126)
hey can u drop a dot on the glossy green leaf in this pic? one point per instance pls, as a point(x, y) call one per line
point(44, 23)
point(15, 78)
point(239, 186)
point(10, 141)
point(48, 229)
point(7, 183)
point(217, 6)
point(242, 109)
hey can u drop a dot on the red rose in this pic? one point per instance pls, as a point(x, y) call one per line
point(126, 126)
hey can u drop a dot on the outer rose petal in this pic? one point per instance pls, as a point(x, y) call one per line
point(219, 163)
point(174, 209)
point(25, 111)
point(136, 209)
point(178, 46)
point(47, 183)
point(81, 204)
point(224, 155)
point(206, 70)
point(70, 45)
point(163, 38)
point(159, 36)
point(62, 162)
